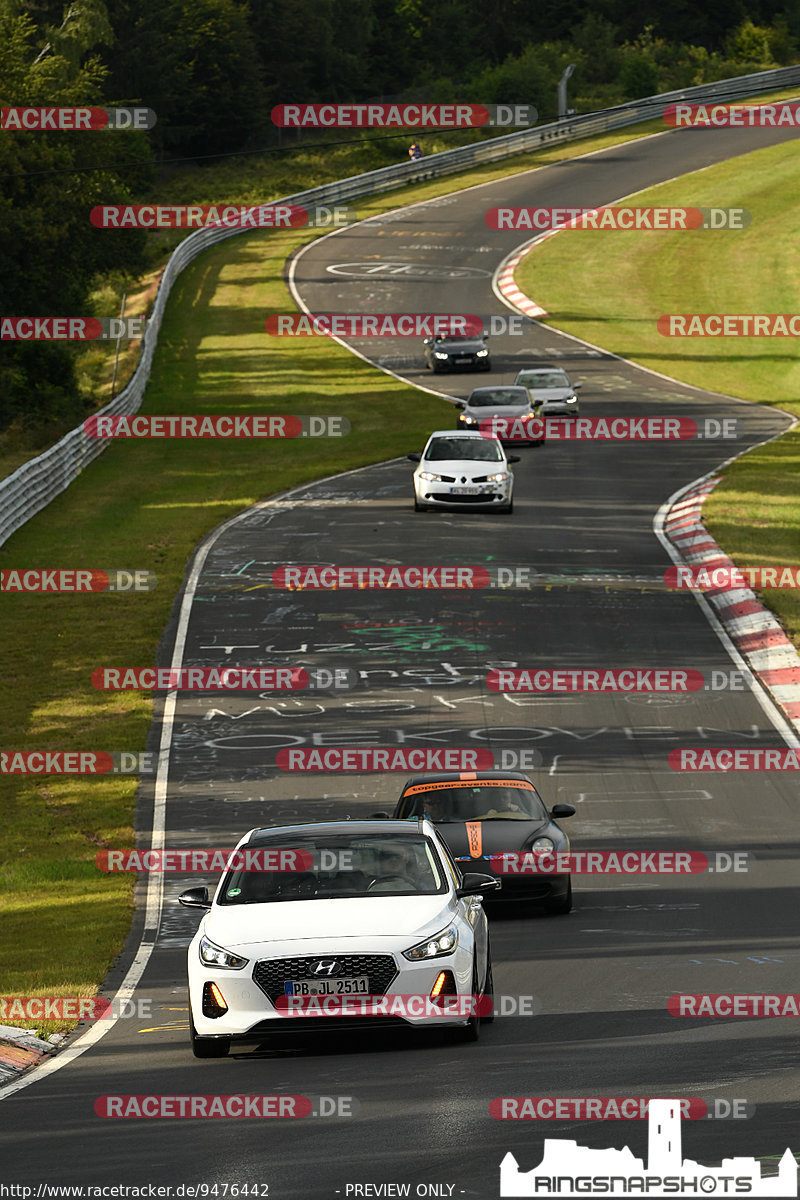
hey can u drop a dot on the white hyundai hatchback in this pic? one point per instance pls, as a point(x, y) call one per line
point(463, 469)
point(335, 925)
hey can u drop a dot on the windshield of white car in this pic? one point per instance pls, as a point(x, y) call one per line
point(513, 398)
point(476, 449)
point(542, 379)
point(455, 804)
point(336, 868)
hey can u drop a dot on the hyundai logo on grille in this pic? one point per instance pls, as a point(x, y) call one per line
point(324, 967)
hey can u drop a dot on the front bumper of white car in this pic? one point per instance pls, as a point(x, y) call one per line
point(256, 997)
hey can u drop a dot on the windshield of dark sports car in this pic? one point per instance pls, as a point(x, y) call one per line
point(470, 449)
point(544, 379)
point(473, 803)
point(319, 867)
point(511, 397)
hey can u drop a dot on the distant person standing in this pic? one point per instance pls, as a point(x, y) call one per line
point(414, 151)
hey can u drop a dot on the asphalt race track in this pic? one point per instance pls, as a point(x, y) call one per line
point(601, 977)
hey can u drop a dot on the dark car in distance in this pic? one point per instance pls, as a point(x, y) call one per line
point(447, 353)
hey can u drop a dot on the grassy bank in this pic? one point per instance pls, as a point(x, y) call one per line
point(611, 287)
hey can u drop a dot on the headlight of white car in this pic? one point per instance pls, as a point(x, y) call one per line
point(214, 956)
point(500, 477)
point(572, 399)
point(435, 947)
point(429, 477)
point(482, 354)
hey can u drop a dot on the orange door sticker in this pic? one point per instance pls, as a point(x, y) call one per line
point(475, 838)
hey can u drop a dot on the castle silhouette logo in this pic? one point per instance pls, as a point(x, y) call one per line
point(568, 1169)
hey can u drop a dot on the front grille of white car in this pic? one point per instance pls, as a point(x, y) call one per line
point(272, 974)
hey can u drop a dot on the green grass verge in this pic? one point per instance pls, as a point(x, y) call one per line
point(610, 288)
point(147, 504)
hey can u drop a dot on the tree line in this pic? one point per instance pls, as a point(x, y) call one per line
point(213, 69)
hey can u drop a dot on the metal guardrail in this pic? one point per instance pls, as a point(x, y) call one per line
point(36, 483)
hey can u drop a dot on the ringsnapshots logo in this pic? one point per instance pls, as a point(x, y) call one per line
point(75, 579)
point(730, 116)
point(616, 217)
point(568, 1169)
point(220, 425)
point(229, 216)
point(71, 329)
point(62, 119)
point(402, 116)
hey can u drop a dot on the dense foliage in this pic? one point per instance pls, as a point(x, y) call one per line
point(213, 69)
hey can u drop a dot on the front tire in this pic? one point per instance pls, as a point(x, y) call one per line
point(471, 1032)
point(488, 988)
point(206, 1047)
point(562, 905)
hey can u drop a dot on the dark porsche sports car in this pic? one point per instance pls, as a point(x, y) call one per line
point(485, 814)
